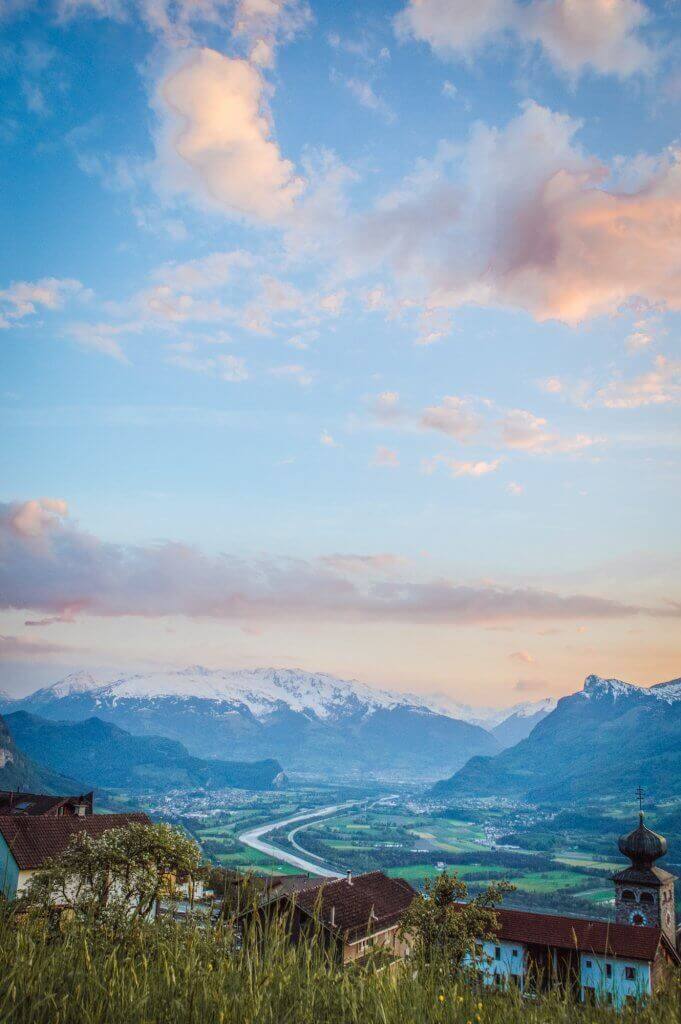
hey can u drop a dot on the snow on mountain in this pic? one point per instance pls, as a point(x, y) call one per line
point(77, 682)
point(596, 686)
point(489, 717)
point(260, 690)
point(670, 692)
point(530, 708)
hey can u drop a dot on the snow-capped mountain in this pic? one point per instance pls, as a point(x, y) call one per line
point(604, 740)
point(259, 690)
point(595, 687)
point(310, 722)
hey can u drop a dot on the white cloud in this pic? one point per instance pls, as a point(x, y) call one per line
point(327, 440)
point(204, 273)
point(266, 23)
point(25, 298)
point(456, 467)
point(522, 218)
point(574, 34)
point(101, 337)
point(296, 372)
point(215, 142)
point(552, 385)
point(228, 368)
point(639, 340)
point(365, 94)
point(523, 431)
point(659, 386)
point(35, 518)
point(385, 457)
point(515, 489)
point(455, 417)
point(601, 34)
point(260, 25)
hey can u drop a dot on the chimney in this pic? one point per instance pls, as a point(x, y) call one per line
point(349, 876)
point(332, 917)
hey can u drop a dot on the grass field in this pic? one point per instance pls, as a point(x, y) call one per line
point(168, 973)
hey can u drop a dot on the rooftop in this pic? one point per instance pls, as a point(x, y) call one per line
point(603, 938)
point(365, 902)
point(34, 839)
point(12, 802)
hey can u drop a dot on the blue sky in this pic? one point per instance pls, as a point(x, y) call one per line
point(343, 336)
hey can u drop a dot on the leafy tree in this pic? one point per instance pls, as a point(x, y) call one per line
point(442, 926)
point(122, 872)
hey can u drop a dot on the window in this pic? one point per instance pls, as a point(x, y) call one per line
point(514, 952)
point(630, 973)
point(589, 995)
point(588, 964)
point(608, 970)
point(647, 897)
point(497, 952)
point(628, 896)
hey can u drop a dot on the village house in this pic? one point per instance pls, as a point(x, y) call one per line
point(600, 961)
point(27, 841)
point(351, 915)
point(42, 804)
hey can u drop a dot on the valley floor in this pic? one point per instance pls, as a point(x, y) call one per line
point(559, 861)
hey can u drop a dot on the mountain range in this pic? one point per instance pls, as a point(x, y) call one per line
point(312, 723)
point(20, 772)
point(100, 754)
point(606, 739)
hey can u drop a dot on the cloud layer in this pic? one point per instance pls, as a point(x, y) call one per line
point(48, 564)
point(574, 34)
point(524, 218)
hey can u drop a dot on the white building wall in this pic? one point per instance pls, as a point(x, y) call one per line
point(500, 963)
point(609, 981)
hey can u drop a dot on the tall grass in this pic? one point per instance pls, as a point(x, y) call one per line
point(171, 973)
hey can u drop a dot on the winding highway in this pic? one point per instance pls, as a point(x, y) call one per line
point(254, 839)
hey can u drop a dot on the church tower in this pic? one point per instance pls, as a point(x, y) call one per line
point(644, 893)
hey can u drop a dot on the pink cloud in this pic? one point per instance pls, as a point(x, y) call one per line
point(386, 457)
point(523, 218)
point(523, 431)
point(71, 569)
point(216, 143)
point(659, 386)
point(455, 417)
point(458, 468)
point(574, 34)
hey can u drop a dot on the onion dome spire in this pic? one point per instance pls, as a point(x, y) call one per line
point(642, 846)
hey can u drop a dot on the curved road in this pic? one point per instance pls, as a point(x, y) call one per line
point(253, 838)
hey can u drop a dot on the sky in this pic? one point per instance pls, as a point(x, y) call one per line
point(342, 336)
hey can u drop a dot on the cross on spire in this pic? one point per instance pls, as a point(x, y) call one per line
point(639, 796)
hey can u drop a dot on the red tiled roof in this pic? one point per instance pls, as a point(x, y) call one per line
point(599, 937)
point(12, 802)
point(368, 903)
point(33, 840)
